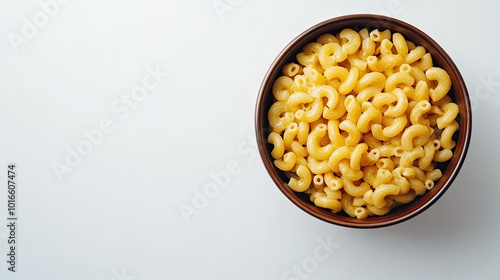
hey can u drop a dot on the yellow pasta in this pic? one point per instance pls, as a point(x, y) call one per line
point(401, 105)
point(298, 149)
point(378, 36)
point(334, 133)
point(291, 69)
point(380, 193)
point(446, 140)
point(347, 172)
point(279, 146)
point(349, 83)
point(426, 159)
point(352, 189)
point(281, 88)
point(354, 135)
point(298, 100)
point(397, 126)
point(369, 116)
point(371, 80)
point(311, 114)
point(329, 203)
point(424, 63)
point(351, 40)
point(417, 113)
point(287, 162)
point(333, 182)
point(353, 108)
point(337, 112)
point(381, 100)
point(367, 48)
point(414, 136)
point(443, 83)
point(415, 54)
point(449, 115)
point(400, 44)
point(309, 55)
point(326, 54)
point(377, 132)
point(385, 163)
point(304, 181)
point(361, 121)
point(361, 212)
point(327, 38)
point(339, 154)
point(289, 135)
point(317, 166)
point(357, 155)
point(383, 176)
point(398, 79)
point(329, 92)
point(313, 147)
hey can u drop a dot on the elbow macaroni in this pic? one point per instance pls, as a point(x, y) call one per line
point(359, 122)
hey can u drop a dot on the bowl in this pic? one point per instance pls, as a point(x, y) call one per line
point(458, 93)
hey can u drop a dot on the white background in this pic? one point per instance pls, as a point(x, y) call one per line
point(116, 215)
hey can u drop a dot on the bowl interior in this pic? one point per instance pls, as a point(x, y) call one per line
point(458, 93)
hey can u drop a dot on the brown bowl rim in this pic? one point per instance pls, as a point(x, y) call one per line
point(410, 32)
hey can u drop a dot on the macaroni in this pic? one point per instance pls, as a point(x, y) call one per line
point(443, 83)
point(291, 69)
point(397, 126)
point(380, 193)
point(339, 154)
point(288, 161)
point(298, 149)
point(281, 88)
point(301, 184)
point(316, 166)
point(353, 190)
point(313, 147)
point(449, 115)
point(402, 102)
point(350, 40)
point(367, 48)
point(279, 146)
point(298, 100)
point(357, 155)
point(334, 133)
point(369, 116)
point(415, 54)
point(347, 172)
point(361, 122)
point(289, 135)
point(349, 83)
point(278, 122)
point(354, 135)
point(446, 140)
point(400, 44)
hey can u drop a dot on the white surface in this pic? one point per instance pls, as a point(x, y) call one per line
point(116, 215)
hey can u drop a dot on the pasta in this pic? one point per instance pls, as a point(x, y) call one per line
point(361, 122)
